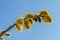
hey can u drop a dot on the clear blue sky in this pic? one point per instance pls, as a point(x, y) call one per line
point(12, 9)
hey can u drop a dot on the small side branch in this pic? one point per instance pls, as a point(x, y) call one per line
point(10, 27)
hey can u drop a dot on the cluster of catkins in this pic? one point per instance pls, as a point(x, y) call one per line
point(31, 18)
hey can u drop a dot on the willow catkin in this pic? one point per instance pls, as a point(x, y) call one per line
point(19, 24)
point(46, 17)
point(43, 13)
point(29, 15)
point(27, 24)
point(31, 20)
point(35, 18)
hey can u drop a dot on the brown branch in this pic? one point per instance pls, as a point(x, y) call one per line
point(10, 27)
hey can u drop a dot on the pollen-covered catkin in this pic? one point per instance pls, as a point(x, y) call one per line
point(19, 24)
point(43, 13)
point(27, 24)
point(46, 17)
point(30, 20)
point(29, 15)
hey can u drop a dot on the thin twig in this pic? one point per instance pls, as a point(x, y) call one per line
point(10, 27)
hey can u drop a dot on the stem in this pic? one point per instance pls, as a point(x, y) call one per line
point(10, 27)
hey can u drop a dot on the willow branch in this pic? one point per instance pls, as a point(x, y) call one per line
point(9, 28)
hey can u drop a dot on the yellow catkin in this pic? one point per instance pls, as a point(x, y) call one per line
point(1, 38)
point(27, 24)
point(43, 12)
point(19, 27)
point(29, 15)
point(19, 24)
point(46, 17)
point(30, 20)
point(35, 17)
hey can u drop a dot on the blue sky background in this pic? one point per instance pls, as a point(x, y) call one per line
point(12, 9)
